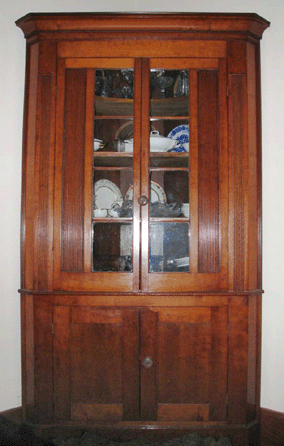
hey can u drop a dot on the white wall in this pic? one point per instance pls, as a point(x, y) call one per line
point(12, 56)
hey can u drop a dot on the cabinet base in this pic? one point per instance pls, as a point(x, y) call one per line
point(239, 435)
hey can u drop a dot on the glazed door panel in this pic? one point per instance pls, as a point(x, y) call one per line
point(93, 241)
point(141, 187)
point(96, 363)
point(185, 237)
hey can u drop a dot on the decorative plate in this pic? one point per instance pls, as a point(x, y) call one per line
point(157, 193)
point(105, 194)
point(180, 133)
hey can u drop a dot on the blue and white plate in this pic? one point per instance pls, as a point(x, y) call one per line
point(181, 134)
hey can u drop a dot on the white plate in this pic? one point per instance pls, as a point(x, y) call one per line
point(181, 134)
point(105, 194)
point(157, 193)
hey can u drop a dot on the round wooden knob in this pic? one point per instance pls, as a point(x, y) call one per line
point(143, 200)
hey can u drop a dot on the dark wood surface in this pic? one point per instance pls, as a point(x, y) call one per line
point(272, 428)
point(85, 334)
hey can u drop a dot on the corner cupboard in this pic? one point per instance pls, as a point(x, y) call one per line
point(141, 222)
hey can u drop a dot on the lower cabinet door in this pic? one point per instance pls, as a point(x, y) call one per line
point(188, 347)
point(163, 364)
point(96, 364)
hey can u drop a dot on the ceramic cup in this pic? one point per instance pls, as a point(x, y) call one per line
point(185, 209)
point(101, 213)
point(97, 144)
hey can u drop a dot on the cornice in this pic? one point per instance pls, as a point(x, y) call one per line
point(249, 23)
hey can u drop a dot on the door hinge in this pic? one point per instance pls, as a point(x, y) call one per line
point(227, 91)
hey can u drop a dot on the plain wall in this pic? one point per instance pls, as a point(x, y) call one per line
point(12, 70)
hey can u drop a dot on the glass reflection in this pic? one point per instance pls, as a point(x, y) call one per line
point(114, 83)
point(169, 247)
point(114, 92)
point(169, 92)
point(112, 247)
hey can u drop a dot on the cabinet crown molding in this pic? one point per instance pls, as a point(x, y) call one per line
point(245, 23)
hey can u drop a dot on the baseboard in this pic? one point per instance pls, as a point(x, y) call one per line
point(271, 427)
point(15, 415)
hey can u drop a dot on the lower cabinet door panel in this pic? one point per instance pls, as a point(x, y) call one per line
point(192, 364)
point(158, 364)
point(96, 363)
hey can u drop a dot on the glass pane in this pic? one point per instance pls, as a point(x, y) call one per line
point(169, 194)
point(112, 247)
point(113, 170)
point(113, 135)
point(114, 92)
point(112, 193)
point(169, 92)
point(169, 136)
point(169, 247)
point(169, 168)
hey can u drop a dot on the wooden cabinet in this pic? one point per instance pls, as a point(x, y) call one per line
point(141, 222)
point(175, 379)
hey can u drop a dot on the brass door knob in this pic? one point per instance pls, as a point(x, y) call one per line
point(143, 200)
point(147, 362)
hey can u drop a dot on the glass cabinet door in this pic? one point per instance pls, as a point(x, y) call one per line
point(100, 128)
point(183, 222)
point(113, 170)
point(141, 182)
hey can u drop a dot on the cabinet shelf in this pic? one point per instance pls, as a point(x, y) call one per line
point(111, 220)
point(169, 220)
point(176, 106)
point(158, 159)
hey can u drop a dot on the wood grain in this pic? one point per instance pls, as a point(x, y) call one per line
point(85, 334)
point(272, 427)
point(183, 412)
point(142, 48)
point(96, 362)
point(61, 364)
point(207, 23)
point(148, 376)
point(237, 178)
point(130, 365)
point(28, 203)
point(27, 351)
point(253, 174)
point(72, 233)
point(208, 173)
point(237, 361)
point(44, 185)
point(43, 369)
